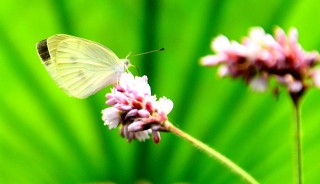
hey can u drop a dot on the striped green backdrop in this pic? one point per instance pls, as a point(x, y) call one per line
point(48, 137)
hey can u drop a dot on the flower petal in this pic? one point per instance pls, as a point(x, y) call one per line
point(136, 126)
point(142, 135)
point(111, 117)
point(295, 86)
point(220, 44)
point(259, 84)
point(223, 71)
point(316, 77)
point(165, 105)
point(143, 113)
point(131, 113)
point(156, 136)
point(212, 60)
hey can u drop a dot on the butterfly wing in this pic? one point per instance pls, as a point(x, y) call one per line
point(48, 56)
point(80, 67)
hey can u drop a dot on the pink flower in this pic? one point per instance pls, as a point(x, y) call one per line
point(138, 114)
point(260, 56)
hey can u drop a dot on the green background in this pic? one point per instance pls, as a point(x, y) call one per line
point(48, 137)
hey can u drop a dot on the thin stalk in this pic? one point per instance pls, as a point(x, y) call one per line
point(212, 153)
point(298, 143)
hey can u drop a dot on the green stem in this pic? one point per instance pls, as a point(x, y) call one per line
point(211, 152)
point(298, 143)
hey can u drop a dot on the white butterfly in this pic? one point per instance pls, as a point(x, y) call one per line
point(80, 67)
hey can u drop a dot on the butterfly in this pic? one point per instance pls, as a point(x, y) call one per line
point(80, 67)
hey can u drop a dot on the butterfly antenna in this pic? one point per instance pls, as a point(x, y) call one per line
point(129, 55)
point(158, 50)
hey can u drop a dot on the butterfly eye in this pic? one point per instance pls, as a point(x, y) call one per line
point(126, 63)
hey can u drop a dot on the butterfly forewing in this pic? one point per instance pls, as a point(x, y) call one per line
point(81, 67)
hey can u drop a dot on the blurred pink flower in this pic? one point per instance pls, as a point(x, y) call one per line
point(134, 109)
point(260, 56)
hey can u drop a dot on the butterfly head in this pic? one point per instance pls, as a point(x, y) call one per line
point(126, 63)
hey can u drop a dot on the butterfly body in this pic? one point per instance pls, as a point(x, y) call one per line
point(79, 66)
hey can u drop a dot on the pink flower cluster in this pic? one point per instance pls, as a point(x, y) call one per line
point(261, 56)
point(134, 109)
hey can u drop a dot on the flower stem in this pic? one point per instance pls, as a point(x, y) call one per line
point(212, 153)
point(298, 143)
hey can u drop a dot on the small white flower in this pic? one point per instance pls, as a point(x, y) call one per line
point(257, 34)
point(280, 36)
point(295, 86)
point(237, 49)
point(141, 87)
point(142, 135)
point(220, 44)
point(165, 105)
point(316, 77)
point(259, 84)
point(212, 60)
point(293, 37)
point(111, 117)
point(223, 71)
point(126, 81)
